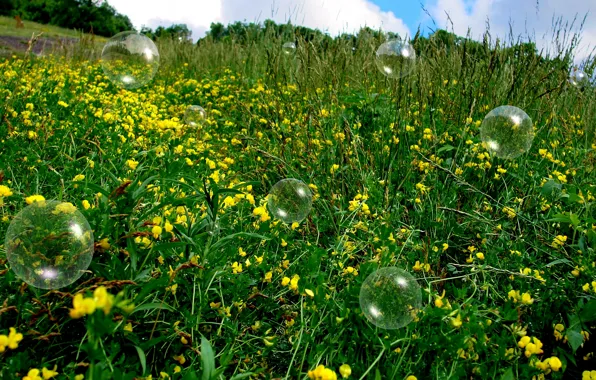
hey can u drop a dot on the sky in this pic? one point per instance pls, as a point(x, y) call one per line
point(405, 17)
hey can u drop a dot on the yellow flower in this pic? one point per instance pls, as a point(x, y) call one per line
point(33, 374)
point(128, 327)
point(132, 164)
point(5, 191)
point(236, 268)
point(104, 243)
point(309, 292)
point(559, 241)
point(81, 306)
point(456, 322)
point(78, 177)
point(103, 300)
point(3, 343)
point(34, 198)
point(526, 299)
point(180, 359)
point(411, 377)
point(14, 338)
point(262, 212)
point(480, 255)
point(285, 281)
point(554, 363)
point(294, 282)
point(156, 231)
point(345, 371)
point(334, 168)
point(523, 342)
point(86, 204)
point(64, 208)
point(79, 377)
point(177, 369)
point(49, 373)
point(322, 373)
point(268, 276)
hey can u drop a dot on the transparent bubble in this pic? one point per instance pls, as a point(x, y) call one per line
point(578, 78)
point(194, 115)
point(289, 48)
point(49, 244)
point(390, 298)
point(507, 132)
point(290, 200)
point(396, 58)
point(130, 60)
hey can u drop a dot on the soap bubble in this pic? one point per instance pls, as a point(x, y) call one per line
point(130, 60)
point(578, 78)
point(390, 298)
point(395, 58)
point(194, 115)
point(290, 200)
point(49, 244)
point(289, 48)
point(507, 132)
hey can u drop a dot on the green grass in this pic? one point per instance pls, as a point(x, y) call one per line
point(8, 28)
point(205, 284)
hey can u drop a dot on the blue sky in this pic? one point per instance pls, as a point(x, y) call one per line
point(409, 10)
point(399, 16)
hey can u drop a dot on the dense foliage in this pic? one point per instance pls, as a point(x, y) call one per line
point(192, 278)
point(85, 15)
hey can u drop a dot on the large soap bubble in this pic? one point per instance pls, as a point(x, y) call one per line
point(49, 244)
point(507, 132)
point(390, 298)
point(579, 78)
point(289, 48)
point(130, 60)
point(194, 115)
point(290, 200)
point(396, 58)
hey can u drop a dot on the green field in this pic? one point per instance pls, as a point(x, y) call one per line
point(192, 277)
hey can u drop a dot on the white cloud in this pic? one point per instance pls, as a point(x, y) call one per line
point(333, 16)
point(523, 17)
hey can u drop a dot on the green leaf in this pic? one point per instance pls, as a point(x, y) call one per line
point(508, 375)
point(208, 359)
point(560, 218)
point(139, 191)
point(549, 187)
point(558, 261)
point(446, 148)
point(575, 338)
point(224, 240)
point(94, 187)
point(142, 358)
point(152, 306)
point(378, 375)
point(588, 312)
point(242, 376)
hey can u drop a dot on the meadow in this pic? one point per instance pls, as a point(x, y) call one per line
point(191, 277)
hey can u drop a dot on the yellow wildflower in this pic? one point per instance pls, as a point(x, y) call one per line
point(81, 306)
point(34, 198)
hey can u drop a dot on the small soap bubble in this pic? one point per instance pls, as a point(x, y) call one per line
point(579, 78)
point(290, 200)
point(130, 60)
point(507, 132)
point(396, 58)
point(49, 244)
point(195, 115)
point(289, 48)
point(390, 298)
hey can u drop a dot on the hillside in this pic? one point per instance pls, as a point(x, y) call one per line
point(16, 40)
